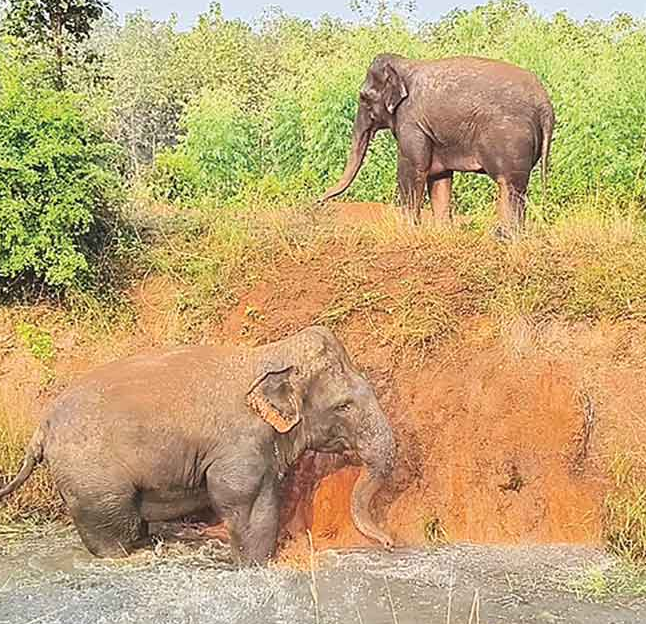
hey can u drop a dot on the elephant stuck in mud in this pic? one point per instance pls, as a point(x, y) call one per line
point(160, 436)
point(454, 114)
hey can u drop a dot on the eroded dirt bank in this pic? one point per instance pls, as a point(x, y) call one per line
point(501, 439)
point(507, 428)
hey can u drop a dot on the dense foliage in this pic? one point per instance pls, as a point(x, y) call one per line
point(292, 93)
point(55, 179)
point(55, 25)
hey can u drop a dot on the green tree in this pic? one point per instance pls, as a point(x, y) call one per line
point(218, 54)
point(56, 180)
point(145, 105)
point(58, 25)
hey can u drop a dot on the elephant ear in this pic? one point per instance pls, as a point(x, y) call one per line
point(277, 399)
point(394, 89)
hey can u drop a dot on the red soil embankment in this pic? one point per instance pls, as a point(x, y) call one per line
point(504, 434)
point(492, 445)
point(505, 431)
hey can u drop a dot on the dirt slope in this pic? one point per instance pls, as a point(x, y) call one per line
point(505, 434)
point(506, 430)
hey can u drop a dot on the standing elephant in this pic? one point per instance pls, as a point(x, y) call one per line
point(454, 114)
point(156, 437)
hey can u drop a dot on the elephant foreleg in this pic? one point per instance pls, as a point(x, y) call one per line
point(439, 190)
point(258, 543)
point(252, 524)
point(412, 182)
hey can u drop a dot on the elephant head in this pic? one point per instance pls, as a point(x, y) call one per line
point(313, 396)
point(383, 90)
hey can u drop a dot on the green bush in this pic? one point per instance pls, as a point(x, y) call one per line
point(216, 157)
point(54, 180)
point(175, 177)
point(37, 340)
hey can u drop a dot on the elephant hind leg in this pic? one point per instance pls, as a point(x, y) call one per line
point(511, 203)
point(109, 523)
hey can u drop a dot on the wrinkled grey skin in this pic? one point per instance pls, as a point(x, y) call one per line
point(454, 114)
point(157, 437)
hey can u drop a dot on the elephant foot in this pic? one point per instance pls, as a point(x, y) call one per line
point(409, 219)
point(443, 223)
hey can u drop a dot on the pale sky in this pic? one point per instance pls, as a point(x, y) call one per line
point(188, 10)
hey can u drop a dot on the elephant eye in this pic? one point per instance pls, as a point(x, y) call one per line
point(343, 407)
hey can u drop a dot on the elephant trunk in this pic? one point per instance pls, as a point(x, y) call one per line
point(362, 134)
point(376, 450)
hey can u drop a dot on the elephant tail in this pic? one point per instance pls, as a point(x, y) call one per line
point(33, 456)
point(547, 128)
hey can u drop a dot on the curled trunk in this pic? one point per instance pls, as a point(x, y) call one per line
point(362, 135)
point(376, 449)
point(365, 488)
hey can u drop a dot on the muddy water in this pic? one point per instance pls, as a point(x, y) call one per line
point(54, 580)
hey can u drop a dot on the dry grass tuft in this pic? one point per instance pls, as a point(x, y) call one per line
point(602, 582)
point(625, 508)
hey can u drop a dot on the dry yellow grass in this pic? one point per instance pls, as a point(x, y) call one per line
point(37, 501)
point(625, 507)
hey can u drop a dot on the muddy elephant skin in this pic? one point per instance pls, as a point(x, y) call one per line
point(454, 114)
point(159, 436)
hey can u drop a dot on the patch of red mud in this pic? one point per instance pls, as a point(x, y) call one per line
point(331, 511)
point(492, 440)
point(260, 316)
point(499, 445)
